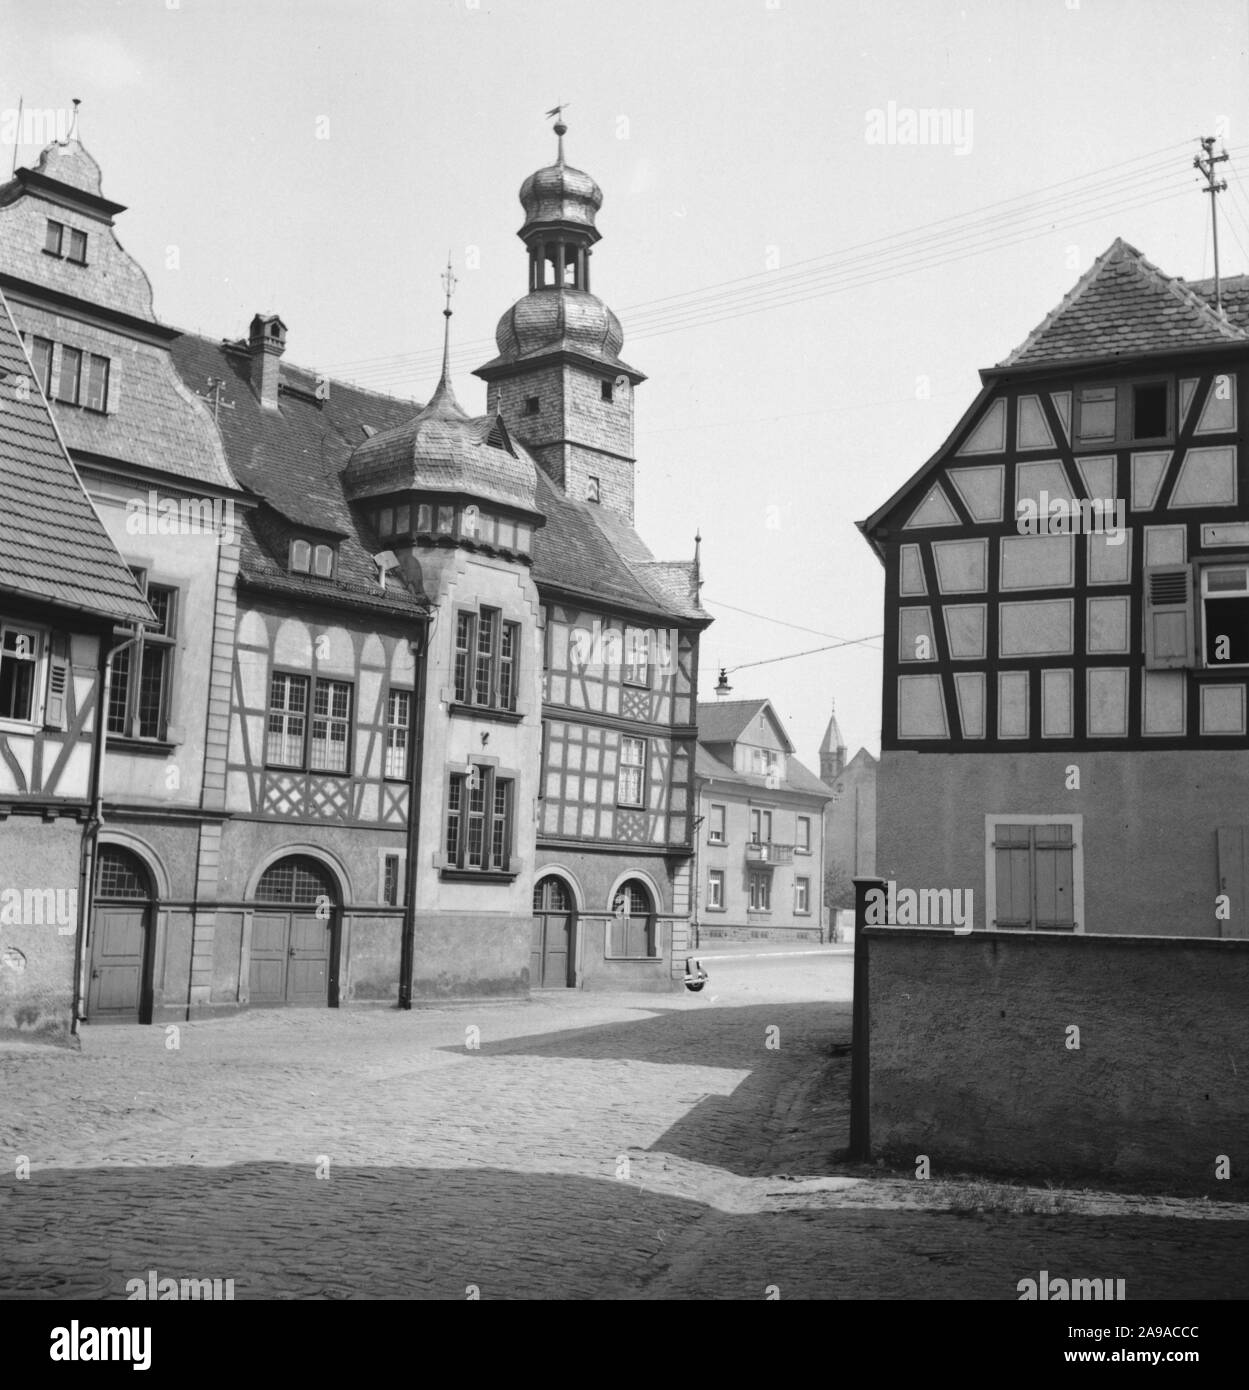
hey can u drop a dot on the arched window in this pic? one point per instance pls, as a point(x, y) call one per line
point(323, 561)
point(301, 555)
point(632, 934)
point(120, 875)
point(296, 881)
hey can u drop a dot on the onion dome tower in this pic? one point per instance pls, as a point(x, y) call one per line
point(558, 380)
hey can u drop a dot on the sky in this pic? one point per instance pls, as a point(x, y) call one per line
point(809, 276)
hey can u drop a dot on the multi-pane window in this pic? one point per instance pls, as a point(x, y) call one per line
point(391, 892)
point(331, 726)
point(288, 720)
point(715, 888)
point(96, 396)
point(1034, 869)
point(802, 895)
point(41, 361)
point(1224, 614)
point(328, 749)
point(19, 664)
point(631, 785)
point(141, 686)
point(69, 384)
point(485, 659)
point(802, 840)
point(760, 891)
point(60, 240)
point(398, 719)
point(479, 820)
point(715, 826)
point(637, 661)
point(761, 827)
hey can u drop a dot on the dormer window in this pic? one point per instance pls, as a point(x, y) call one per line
point(301, 557)
point(323, 561)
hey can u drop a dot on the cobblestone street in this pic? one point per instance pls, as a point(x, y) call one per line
point(575, 1146)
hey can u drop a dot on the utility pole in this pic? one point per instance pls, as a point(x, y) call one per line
point(1207, 168)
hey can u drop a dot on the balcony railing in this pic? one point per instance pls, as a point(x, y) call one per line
point(766, 852)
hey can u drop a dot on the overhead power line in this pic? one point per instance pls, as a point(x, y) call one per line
point(798, 627)
point(903, 253)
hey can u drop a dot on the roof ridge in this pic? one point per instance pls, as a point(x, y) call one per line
point(1068, 300)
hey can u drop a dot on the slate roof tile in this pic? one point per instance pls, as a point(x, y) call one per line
point(53, 545)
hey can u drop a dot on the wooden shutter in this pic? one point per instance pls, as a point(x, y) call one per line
point(113, 399)
point(56, 706)
point(1169, 617)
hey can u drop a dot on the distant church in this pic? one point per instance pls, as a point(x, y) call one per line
point(850, 821)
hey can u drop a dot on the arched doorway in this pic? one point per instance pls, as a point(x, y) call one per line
point(119, 988)
point(552, 963)
point(633, 923)
point(294, 953)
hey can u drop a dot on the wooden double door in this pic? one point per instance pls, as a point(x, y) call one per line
point(294, 946)
point(552, 962)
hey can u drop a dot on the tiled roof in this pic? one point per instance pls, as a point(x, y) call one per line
point(53, 545)
point(725, 720)
point(798, 778)
point(292, 457)
point(1124, 306)
point(579, 550)
point(1234, 295)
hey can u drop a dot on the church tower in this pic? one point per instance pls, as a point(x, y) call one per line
point(832, 751)
point(558, 381)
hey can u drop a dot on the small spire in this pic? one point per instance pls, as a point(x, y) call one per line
point(444, 395)
point(72, 135)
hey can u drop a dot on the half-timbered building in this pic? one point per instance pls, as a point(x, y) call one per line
point(1067, 623)
point(63, 588)
point(415, 719)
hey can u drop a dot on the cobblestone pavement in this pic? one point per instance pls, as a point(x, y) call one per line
point(574, 1146)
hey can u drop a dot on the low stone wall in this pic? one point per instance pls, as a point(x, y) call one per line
point(1123, 1057)
point(718, 932)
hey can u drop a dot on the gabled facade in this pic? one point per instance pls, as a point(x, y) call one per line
point(344, 762)
point(63, 588)
point(761, 833)
point(1067, 624)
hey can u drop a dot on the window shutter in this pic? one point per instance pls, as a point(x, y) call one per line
point(113, 399)
point(56, 706)
point(1169, 617)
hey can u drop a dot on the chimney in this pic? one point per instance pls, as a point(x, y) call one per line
point(266, 342)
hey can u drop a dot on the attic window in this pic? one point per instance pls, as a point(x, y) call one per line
point(323, 561)
point(593, 491)
point(52, 239)
point(1096, 419)
point(301, 557)
point(531, 405)
point(1149, 410)
point(77, 246)
point(606, 388)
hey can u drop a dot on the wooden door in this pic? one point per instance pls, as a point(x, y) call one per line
point(266, 979)
point(118, 959)
point(551, 946)
point(308, 959)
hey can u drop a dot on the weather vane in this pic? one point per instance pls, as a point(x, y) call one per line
point(449, 282)
point(558, 111)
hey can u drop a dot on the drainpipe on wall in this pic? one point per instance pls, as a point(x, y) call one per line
point(407, 948)
point(95, 822)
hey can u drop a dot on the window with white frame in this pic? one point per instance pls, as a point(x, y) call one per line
point(631, 784)
point(398, 721)
point(637, 662)
point(802, 835)
point(715, 888)
point(802, 895)
point(760, 827)
point(1225, 614)
point(290, 722)
point(20, 648)
point(486, 659)
point(715, 825)
point(141, 681)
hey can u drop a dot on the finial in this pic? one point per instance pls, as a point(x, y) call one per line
point(561, 129)
point(73, 125)
point(444, 395)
